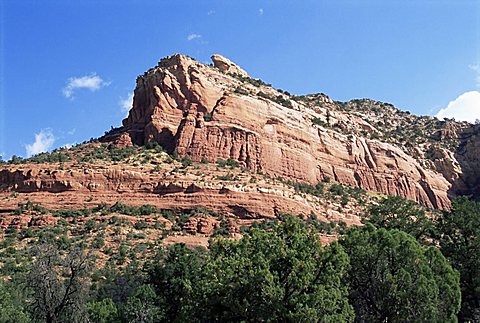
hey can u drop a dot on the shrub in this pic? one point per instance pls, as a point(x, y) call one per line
point(241, 91)
point(208, 116)
point(232, 163)
point(186, 162)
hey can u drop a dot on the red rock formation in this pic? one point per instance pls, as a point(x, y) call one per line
point(198, 111)
point(85, 186)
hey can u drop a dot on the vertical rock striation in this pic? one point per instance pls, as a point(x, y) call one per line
point(212, 112)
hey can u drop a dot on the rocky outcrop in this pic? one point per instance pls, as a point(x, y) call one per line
point(200, 112)
point(83, 186)
point(467, 155)
point(227, 66)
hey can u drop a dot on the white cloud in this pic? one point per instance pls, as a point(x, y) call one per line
point(211, 12)
point(127, 103)
point(466, 107)
point(68, 146)
point(91, 82)
point(193, 36)
point(43, 142)
point(476, 69)
point(260, 12)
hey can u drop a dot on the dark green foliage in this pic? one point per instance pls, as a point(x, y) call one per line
point(228, 177)
point(232, 163)
point(319, 122)
point(222, 230)
point(394, 212)
point(142, 306)
point(141, 225)
point(277, 272)
point(460, 242)
point(186, 162)
point(53, 157)
point(118, 154)
point(316, 190)
point(104, 311)
point(241, 90)
point(282, 274)
point(15, 160)
point(278, 99)
point(29, 206)
point(121, 208)
point(153, 145)
point(176, 275)
point(255, 82)
point(11, 308)
point(394, 279)
point(337, 189)
point(208, 116)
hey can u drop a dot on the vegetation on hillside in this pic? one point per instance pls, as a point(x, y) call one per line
point(278, 271)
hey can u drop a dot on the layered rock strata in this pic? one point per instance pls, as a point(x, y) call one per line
point(208, 113)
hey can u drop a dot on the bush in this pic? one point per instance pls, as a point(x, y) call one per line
point(228, 177)
point(139, 225)
point(208, 116)
point(186, 162)
point(241, 91)
point(232, 163)
point(319, 122)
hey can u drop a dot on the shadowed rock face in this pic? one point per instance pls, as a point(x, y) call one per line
point(467, 155)
point(205, 113)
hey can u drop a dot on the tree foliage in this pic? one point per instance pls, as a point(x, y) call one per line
point(279, 275)
point(176, 274)
point(394, 279)
point(11, 311)
point(278, 271)
point(395, 212)
point(460, 243)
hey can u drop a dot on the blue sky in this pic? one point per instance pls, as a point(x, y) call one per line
point(67, 67)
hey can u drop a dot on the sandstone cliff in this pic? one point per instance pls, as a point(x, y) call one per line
point(207, 112)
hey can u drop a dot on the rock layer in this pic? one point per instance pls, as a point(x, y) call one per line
point(83, 187)
point(199, 111)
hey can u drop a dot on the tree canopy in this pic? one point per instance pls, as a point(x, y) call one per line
point(460, 243)
point(394, 279)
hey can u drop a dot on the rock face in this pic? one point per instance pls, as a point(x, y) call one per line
point(468, 181)
point(199, 111)
point(227, 66)
point(86, 186)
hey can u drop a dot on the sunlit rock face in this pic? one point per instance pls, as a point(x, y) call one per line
point(217, 111)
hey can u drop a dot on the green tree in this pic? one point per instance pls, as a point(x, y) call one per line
point(282, 274)
point(176, 275)
point(104, 311)
point(394, 279)
point(460, 243)
point(142, 306)
point(395, 212)
point(10, 310)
